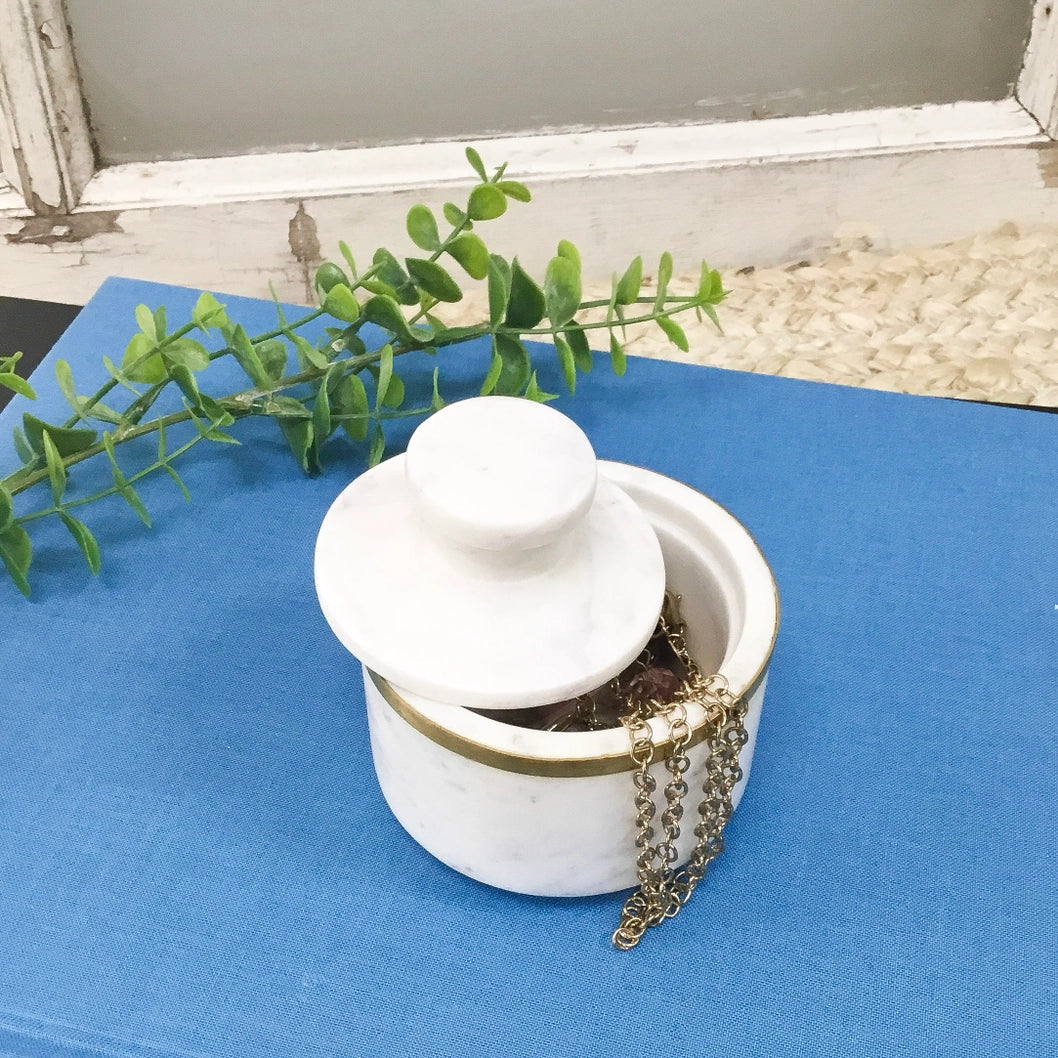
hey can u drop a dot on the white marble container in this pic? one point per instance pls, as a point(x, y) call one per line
point(550, 813)
point(537, 812)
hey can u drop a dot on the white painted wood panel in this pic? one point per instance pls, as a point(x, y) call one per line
point(46, 148)
point(1037, 88)
point(770, 210)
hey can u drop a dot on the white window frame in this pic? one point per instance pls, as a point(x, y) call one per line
point(45, 145)
point(942, 167)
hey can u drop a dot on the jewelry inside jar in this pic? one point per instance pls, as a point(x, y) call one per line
point(654, 678)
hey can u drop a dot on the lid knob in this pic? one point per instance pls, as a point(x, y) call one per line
point(501, 473)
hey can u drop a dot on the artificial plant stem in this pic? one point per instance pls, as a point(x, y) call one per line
point(239, 405)
point(602, 324)
point(92, 401)
point(113, 490)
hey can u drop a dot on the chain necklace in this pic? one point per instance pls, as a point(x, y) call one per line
point(663, 890)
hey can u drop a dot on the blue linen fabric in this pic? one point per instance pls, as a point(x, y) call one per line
point(195, 858)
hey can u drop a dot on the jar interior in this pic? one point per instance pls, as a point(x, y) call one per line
point(696, 602)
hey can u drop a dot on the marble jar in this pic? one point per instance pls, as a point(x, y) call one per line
point(550, 813)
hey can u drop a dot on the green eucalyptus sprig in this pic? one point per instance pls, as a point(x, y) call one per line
point(346, 381)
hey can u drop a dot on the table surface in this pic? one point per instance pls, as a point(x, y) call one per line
point(195, 858)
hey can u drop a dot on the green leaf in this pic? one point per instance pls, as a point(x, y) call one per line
point(492, 376)
point(499, 289)
point(630, 282)
point(119, 376)
point(718, 293)
point(526, 306)
point(578, 342)
point(394, 397)
point(131, 497)
point(385, 312)
point(354, 344)
point(17, 552)
point(436, 401)
point(138, 363)
point(185, 379)
point(246, 355)
point(513, 189)
point(568, 250)
point(273, 355)
point(64, 376)
point(664, 275)
point(433, 279)
point(279, 314)
point(17, 383)
point(378, 446)
point(565, 359)
point(108, 444)
point(145, 319)
point(422, 228)
point(321, 411)
point(308, 354)
point(562, 290)
point(300, 437)
point(711, 313)
point(23, 447)
point(516, 366)
point(472, 253)
point(68, 441)
point(208, 312)
point(348, 255)
point(486, 202)
point(388, 268)
point(617, 356)
point(477, 164)
point(85, 540)
point(455, 216)
point(7, 506)
point(612, 304)
point(56, 470)
point(98, 410)
point(328, 276)
point(160, 322)
point(209, 432)
point(284, 407)
point(674, 332)
point(340, 302)
point(534, 392)
point(193, 355)
point(385, 374)
point(179, 481)
point(350, 398)
point(214, 411)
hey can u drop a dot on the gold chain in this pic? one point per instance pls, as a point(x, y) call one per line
point(663, 889)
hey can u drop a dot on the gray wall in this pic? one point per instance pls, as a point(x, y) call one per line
point(201, 78)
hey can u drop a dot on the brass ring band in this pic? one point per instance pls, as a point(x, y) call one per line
point(522, 764)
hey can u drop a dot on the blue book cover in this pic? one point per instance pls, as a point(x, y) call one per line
point(195, 858)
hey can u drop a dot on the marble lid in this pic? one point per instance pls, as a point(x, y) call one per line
point(491, 565)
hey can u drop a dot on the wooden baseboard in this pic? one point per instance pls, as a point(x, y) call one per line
point(749, 193)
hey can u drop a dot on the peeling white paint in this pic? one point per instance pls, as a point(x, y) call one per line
point(45, 147)
point(1037, 87)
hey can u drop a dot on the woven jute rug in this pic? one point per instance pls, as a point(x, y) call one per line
point(976, 319)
